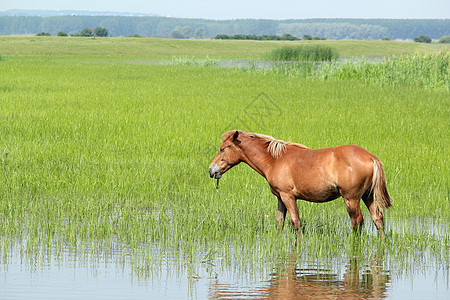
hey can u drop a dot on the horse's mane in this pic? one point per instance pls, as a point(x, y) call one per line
point(275, 147)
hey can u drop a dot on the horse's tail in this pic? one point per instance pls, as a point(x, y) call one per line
point(378, 189)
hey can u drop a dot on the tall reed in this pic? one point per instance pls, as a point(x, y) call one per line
point(304, 53)
point(418, 70)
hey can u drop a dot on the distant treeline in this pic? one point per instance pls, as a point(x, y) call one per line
point(265, 37)
point(201, 28)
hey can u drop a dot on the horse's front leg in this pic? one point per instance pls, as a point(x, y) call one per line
point(290, 203)
point(281, 213)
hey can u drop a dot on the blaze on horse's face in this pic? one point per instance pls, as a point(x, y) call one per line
point(228, 156)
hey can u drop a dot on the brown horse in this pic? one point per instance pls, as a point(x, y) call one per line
point(294, 171)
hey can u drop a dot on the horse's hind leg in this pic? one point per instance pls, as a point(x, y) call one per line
point(281, 214)
point(377, 215)
point(355, 214)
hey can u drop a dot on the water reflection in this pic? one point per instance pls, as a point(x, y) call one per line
point(295, 281)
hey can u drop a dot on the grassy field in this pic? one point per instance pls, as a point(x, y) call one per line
point(103, 150)
point(161, 48)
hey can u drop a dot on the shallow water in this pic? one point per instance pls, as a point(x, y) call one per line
point(117, 273)
point(267, 64)
point(256, 64)
point(108, 281)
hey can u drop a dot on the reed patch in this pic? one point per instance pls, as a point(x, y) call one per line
point(304, 53)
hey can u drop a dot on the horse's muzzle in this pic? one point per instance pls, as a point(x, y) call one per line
point(214, 171)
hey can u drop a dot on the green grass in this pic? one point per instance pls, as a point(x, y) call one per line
point(105, 151)
point(163, 48)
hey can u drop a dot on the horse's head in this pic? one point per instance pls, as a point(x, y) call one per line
point(228, 156)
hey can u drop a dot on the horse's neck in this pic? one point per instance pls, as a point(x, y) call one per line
point(257, 156)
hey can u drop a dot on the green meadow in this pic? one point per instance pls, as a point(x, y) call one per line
point(100, 149)
point(161, 48)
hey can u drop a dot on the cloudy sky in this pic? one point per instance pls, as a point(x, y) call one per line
point(254, 9)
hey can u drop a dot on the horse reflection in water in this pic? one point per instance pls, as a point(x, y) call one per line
point(293, 282)
point(294, 171)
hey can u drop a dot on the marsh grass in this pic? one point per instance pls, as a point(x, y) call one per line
point(418, 70)
point(107, 155)
point(304, 53)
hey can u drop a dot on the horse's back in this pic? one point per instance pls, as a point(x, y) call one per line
point(324, 174)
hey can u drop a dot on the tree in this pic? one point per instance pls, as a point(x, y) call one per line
point(181, 32)
point(101, 32)
point(222, 37)
point(289, 37)
point(422, 39)
point(87, 32)
point(444, 40)
point(199, 33)
point(43, 34)
point(62, 33)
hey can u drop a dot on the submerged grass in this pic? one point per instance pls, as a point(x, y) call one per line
point(192, 61)
point(117, 154)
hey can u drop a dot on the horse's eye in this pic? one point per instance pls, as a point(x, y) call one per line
point(222, 149)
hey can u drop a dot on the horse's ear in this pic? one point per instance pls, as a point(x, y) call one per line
point(235, 136)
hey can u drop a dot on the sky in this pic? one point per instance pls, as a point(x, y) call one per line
point(253, 9)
